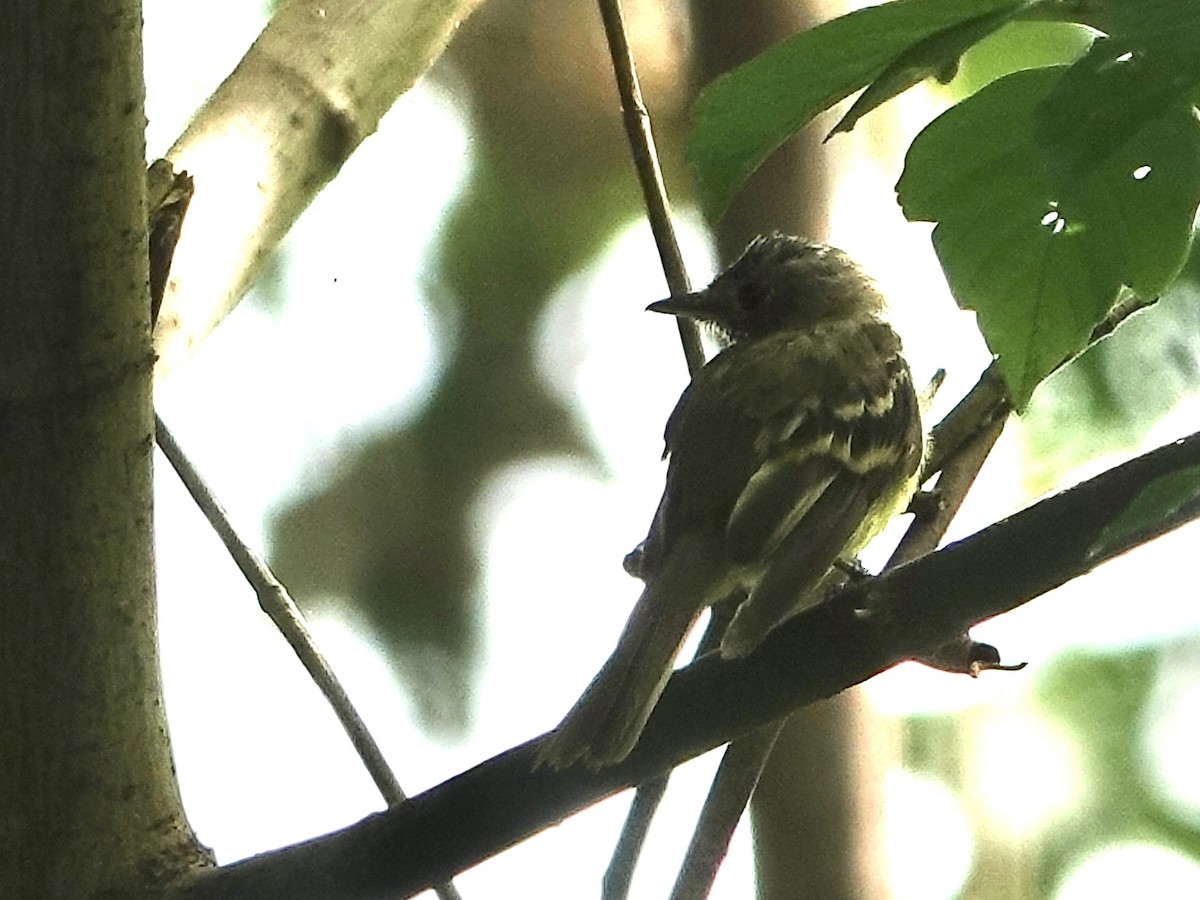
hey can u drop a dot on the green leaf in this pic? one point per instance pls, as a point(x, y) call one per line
point(1160, 501)
point(1170, 27)
point(935, 57)
point(1041, 258)
point(744, 115)
point(1104, 99)
point(1018, 45)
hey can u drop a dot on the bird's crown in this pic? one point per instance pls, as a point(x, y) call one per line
point(781, 282)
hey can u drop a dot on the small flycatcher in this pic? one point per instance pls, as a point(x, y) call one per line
point(788, 451)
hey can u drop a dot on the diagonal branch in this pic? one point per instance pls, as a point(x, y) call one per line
point(988, 400)
point(315, 83)
point(279, 606)
point(867, 628)
point(169, 194)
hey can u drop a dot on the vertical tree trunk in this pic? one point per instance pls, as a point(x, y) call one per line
point(88, 799)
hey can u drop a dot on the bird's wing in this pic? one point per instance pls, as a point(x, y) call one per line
point(845, 415)
point(830, 461)
point(767, 427)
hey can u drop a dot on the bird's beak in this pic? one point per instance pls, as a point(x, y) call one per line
point(687, 306)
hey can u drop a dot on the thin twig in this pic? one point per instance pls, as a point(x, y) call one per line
point(741, 768)
point(737, 777)
point(960, 444)
point(986, 402)
point(645, 162)
point(168, 196)
point(282, 610)
point(636, 118)
point(957, 475)
point(649, 794)
point(619, 875)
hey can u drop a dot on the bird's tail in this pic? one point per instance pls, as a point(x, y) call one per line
point(607, 720)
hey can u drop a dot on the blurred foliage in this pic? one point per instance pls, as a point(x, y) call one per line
point(391, 530)
point(1109, 398)
point(933, 744)
point(1102, 699)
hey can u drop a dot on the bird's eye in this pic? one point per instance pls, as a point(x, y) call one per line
point(751, 294)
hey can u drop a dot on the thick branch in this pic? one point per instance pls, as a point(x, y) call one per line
point(305, 95)
point(913, 610)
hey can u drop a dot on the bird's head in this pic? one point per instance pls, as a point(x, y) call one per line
point(779, 283)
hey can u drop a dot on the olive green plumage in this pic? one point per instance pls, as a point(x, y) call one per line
point(788, 451)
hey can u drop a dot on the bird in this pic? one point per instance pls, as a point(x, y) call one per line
point(786, 453)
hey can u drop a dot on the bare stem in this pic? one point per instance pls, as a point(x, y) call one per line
point(737, 777)
point(619, 874)
point(645, 162)
point(658, 211)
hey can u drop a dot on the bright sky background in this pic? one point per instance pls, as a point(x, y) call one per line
point(272, 396)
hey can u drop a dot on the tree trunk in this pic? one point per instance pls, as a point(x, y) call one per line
point(88, 799)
